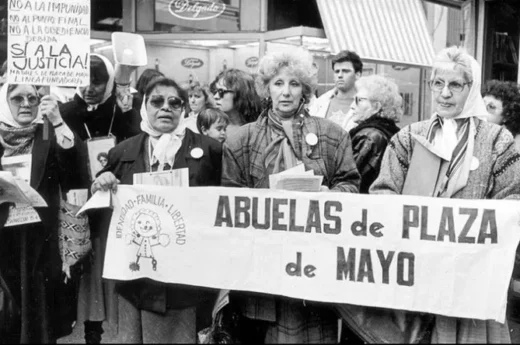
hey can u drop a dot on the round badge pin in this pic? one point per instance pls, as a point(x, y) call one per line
point(196, 153)
point(311, 139)
point(474, 164)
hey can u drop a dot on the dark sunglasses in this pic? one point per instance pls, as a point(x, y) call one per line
point(31, 99)
point(359, 99)
point(173, 102)
point(222, 92)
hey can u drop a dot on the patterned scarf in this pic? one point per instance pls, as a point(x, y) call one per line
point(17, 141)
point(280, 153)
point(460, 158)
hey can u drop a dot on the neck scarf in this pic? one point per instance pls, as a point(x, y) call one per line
point(15, 138)
point(109, 87)
point(280, 152)
point(165, 145)
point(453, 139)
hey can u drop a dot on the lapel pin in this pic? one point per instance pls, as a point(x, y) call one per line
point(311, 139)
point(196, 152)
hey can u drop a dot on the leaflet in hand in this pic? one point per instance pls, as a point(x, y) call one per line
point(296, 179)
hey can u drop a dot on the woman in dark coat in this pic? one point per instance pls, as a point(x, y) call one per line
point(376, 108)
point(30, 260)
point(94, 113)
point(154, 311)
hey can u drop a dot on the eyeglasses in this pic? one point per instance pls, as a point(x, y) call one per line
point(222, 92)
point(174, 103)
point(359, 99)
point(454, 87)
point(31, 99)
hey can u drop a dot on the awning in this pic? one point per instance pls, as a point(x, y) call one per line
point(392, 31)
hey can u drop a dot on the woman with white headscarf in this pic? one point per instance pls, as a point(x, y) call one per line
point(455, 154)
point(159, 312)
point(30, 262)
point(95, 114)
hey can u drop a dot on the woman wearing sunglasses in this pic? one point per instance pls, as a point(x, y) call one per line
point(283, 136)
point(454, 154)
point(30, 262)
point(234, 93)
point(376, 108)
point(164, 144)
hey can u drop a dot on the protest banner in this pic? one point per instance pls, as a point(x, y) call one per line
point(48, 42)
point(443, 256)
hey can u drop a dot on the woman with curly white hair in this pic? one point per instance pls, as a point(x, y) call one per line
point(283, 136)
point(376, 108)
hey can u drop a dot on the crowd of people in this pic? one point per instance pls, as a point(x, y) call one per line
point(246, 127)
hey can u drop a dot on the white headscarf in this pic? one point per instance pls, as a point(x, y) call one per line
point(110, 83)
point(5, 112)
point(165, 145)
point(446, 139)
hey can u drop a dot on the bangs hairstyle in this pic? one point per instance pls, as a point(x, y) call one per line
point(453, 59)
point(163, 81)
point(245, 99)
point(386, 92)
point(298, 63)
point(209, 116)
point(508, 93)
point(98, 70)
point(197, 87)
point(145, 78)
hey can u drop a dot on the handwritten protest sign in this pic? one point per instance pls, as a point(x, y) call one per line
point(442, 256)
point(48, 42)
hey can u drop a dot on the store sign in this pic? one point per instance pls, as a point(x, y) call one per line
point(192, 62)
point(252, 62)
point(196, 10)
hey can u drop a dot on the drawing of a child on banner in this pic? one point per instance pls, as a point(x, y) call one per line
point(146, 233)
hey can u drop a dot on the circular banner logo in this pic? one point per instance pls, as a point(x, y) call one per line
point(196, 10)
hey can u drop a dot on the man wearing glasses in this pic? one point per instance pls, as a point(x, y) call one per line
point(335, 104)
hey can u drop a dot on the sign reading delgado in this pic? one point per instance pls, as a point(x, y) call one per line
point(196, 9)
point(443, 256)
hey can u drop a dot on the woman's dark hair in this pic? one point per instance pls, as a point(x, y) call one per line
point(508, 93)
point(163, 81)
point(102, 155)
point(246, 101)
point(209, 116)
point(144, 79)
point(98, 70)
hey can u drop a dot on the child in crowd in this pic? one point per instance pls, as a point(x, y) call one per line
point(213, 123)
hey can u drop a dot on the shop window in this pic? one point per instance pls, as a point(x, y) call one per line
point(407, 103)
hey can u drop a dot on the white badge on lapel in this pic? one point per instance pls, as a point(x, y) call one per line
point(311, 139)
point(474, 163)
point(196, 153)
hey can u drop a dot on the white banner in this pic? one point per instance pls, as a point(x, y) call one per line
point(443, 256)
point(48, 42)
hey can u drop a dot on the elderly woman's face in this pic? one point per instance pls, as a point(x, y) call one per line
point(224, 97)
point(362, 107)
point(286, 92)
point(197, 101)
point(494, 108)
point(164, 108)
point(449, 101)
point(94, 92)
point(23, 103)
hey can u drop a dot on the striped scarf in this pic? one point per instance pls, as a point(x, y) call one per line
point(280, 153)
point(458, 167)
point(17, 141)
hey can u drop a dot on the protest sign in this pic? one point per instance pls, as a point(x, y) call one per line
point(48, 42)
point(443, 256)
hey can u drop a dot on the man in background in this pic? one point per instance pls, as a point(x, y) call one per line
point(335, 104)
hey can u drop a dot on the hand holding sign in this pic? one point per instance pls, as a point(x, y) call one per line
point(105, 182)
point(49, 107)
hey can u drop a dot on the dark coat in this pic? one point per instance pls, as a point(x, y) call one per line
point(30, 261)
point(127, 159)
point(369, 141)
